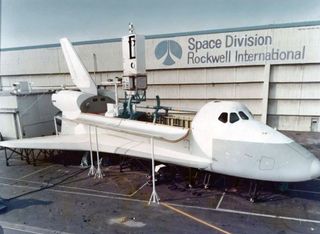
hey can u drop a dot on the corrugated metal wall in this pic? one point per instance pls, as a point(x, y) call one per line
point(294, 97)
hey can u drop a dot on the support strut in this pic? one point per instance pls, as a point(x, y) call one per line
point(99, 174)
point(92, 169)
point(154, 196)
point(253, 191)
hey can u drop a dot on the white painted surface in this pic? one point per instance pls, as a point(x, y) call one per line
point(8, 102)
point(78, 72)
point(69, 102)
point(9, 129)
point(133, 55)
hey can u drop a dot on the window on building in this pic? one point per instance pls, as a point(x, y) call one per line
point(243, 115)
point(223, 117)
point(233, 117)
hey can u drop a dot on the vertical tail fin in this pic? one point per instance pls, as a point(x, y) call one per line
point(78, 72)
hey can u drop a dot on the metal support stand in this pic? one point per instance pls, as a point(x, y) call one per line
point(154, 196)
point(99, 174)
point(206, 180)
point(33, 158)
point(253, 191)
point(116, 95)
point(84, 160)
point(55, 125)
point(6, 155)
point(92, 169)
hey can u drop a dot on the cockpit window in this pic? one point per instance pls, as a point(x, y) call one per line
point(243, 115)
point(223, 117)
point(233, 117)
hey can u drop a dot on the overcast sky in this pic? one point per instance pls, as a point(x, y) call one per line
point(35, 22)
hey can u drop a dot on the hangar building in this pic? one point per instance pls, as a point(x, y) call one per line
point(273, 69)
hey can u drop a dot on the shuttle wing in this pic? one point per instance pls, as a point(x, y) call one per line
point(117, 143)
point(78, 72)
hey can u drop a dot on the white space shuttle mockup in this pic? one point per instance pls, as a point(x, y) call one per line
point(223, 138)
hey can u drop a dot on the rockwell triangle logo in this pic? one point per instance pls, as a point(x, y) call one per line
point(169, 51)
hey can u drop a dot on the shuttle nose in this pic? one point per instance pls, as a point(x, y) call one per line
point(315, 168)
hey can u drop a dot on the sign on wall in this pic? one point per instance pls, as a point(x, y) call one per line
point(256, 47)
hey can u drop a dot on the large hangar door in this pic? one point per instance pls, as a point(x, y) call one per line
point(294, 97)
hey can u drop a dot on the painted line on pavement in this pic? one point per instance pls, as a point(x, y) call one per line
point(249, 213)
point(303, 191)
point(27, 228)
point(77, 188)
point(195, 218)
point(176, 205)
point(269, 216)
point(220, 201)
point(35, 172)
point(141, 187)
point(77, 193)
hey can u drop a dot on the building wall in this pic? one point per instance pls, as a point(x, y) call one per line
point(285, 95)
point(294, 97)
